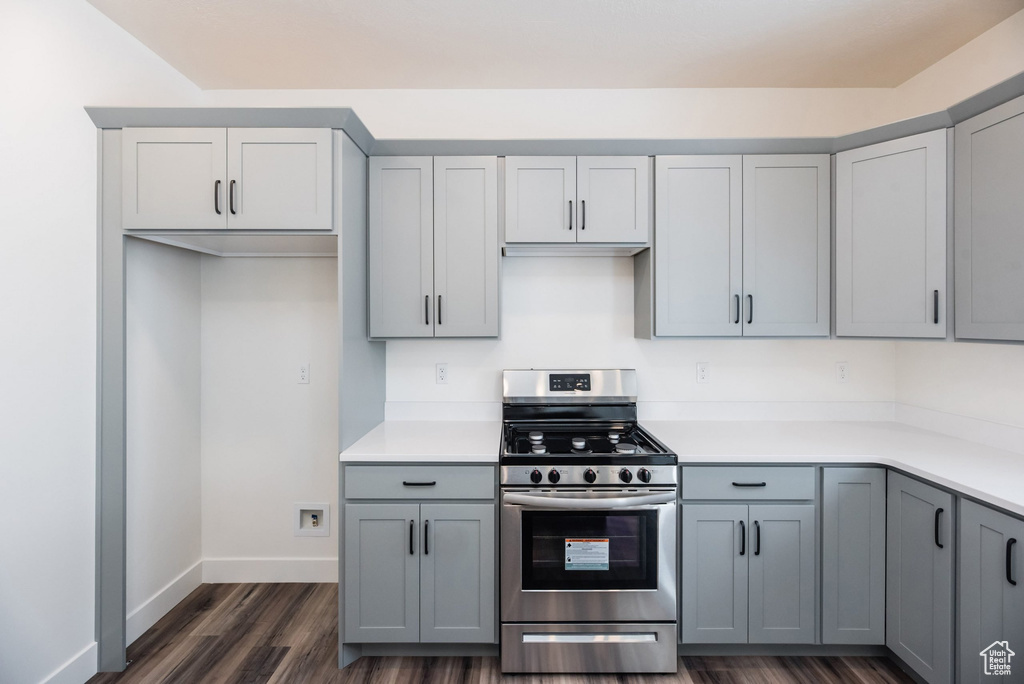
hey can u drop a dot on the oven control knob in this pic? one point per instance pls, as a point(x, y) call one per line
point(553, 476)
point(625, 475)
point(590, 476)
point(536, 477)
point(644, 475)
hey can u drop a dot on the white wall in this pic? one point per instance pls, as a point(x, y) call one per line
point(577, 312)
point(55, 57)
point(267, 441)
point(982, 381)
point(162, 314)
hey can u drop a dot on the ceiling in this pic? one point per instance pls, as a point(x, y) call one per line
point(326, 44)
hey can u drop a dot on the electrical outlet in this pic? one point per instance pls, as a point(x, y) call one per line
point(703, 372)
point(442, 373)
point(304, 374)
point(842, 371)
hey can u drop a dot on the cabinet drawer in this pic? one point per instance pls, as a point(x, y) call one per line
point(748, 482)
point(419, 482)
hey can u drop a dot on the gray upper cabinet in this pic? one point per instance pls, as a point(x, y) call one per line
point(782, 569)
point(714, 574)
point(174, 179)
point(466, 246)
point(698, 245)
point(853, 556)
point(217, 179)
point(401, 247)
point(279, 179)
point(433, 247)
point(891, 238)
point(457, 573)
point(786, 245)
point(382, 573)
point(989, 224)
point(602, 200)
point(991, 594)
point(919, 577)
point(613, 199)
point(540, 199)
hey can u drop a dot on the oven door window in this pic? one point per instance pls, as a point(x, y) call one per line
point(590, 549)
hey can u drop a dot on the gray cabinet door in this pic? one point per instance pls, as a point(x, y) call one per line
point(382, 573)
point(989, 224)
point(457, 573)
point(613, 194)
point(279, 179)
point(853, 556)
point(891, 238)
point(991, 606)
point(699, 255)
point(401, 247)
point(540, 199)
point(782, 570)
point(714, 574)
point(174, 179)
point(466, 246)
point(919, 577)
point(786, 245)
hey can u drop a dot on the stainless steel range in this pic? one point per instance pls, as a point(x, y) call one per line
point(588, 527)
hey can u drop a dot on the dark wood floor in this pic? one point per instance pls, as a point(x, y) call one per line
point(288, 633)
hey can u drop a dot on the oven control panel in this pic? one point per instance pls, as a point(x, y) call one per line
point(569, 382)
point(598, 475)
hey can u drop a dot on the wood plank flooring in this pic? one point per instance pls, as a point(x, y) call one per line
point(288, 634)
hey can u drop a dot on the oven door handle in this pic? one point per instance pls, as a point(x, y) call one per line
point(588, 504)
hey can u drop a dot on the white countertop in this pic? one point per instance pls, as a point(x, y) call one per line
point(465, 441)
point(990, 475)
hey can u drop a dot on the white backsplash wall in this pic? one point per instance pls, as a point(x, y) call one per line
point(980, 381)
point(164, 544)
point(267, 441)
point(577, 312)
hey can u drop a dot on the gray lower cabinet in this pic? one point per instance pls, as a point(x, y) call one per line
point(919, 577)
point(991, 594)
point(748, 573)
point(419, 573)
point(853, 556)
point(989, 224)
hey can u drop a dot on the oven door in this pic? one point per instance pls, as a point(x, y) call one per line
point(588, 555)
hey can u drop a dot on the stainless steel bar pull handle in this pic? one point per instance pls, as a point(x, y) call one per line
point(231, 197)
point(216, 196)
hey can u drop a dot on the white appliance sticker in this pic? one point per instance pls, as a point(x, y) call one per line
point(586, 554)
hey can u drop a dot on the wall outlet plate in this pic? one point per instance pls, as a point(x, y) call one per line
point(703, 372)
point(312, 520)
point(842, 371)
point(441, 372)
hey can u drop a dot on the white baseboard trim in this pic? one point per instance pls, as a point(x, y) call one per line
point(77, 670)
point(442, 410)
point(767, 410)
point(996, 435)
point(160, 603)
point(231, 570)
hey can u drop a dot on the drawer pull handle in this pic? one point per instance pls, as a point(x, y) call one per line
point(938, 512)
point(1009, 562)
point(749, 484)
point(419, 484)
point(743, 538)
point(757, 538)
